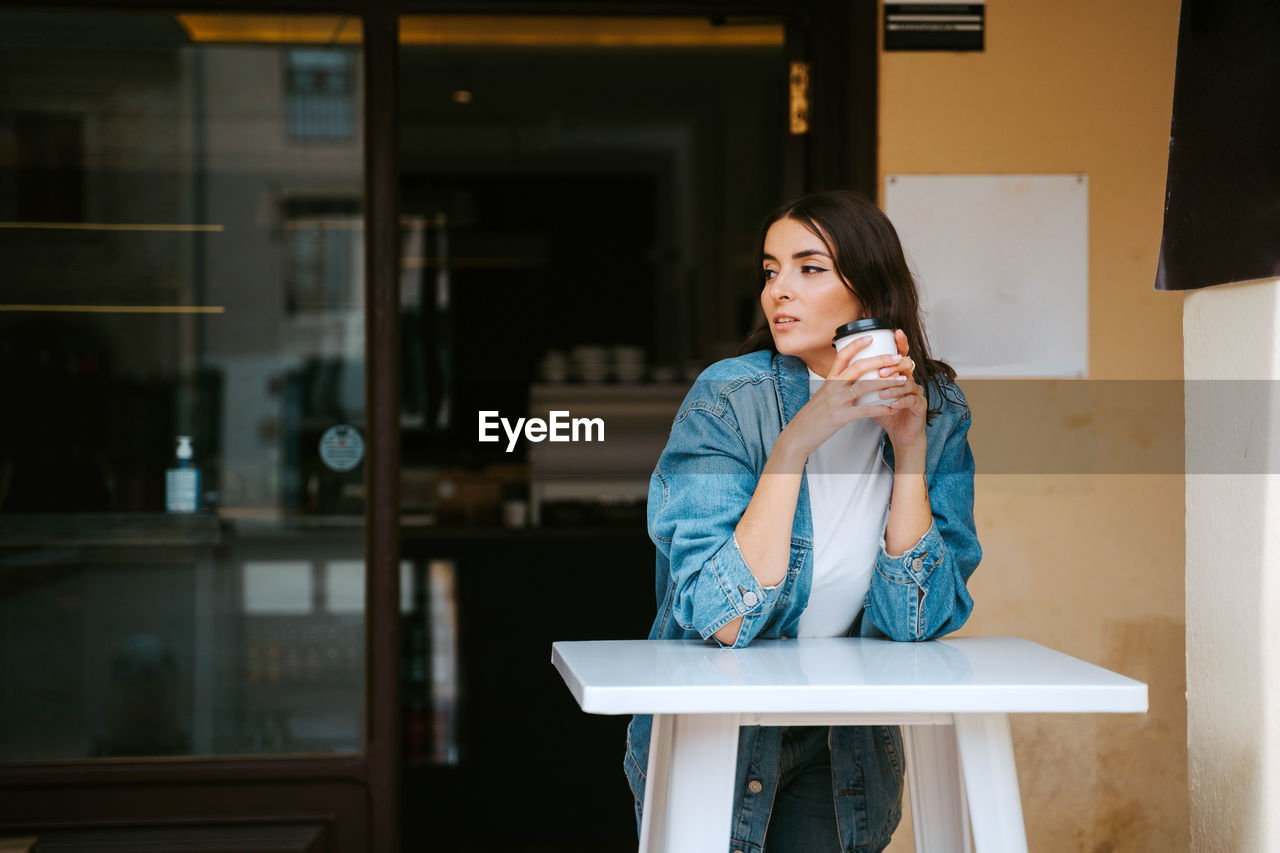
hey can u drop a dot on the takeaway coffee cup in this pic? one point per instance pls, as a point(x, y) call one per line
point(882, 343)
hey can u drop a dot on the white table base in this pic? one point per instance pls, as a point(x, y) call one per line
point(986, 756)
point(693, 757)
point(939, 812)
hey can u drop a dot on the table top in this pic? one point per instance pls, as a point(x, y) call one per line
point(839, 675)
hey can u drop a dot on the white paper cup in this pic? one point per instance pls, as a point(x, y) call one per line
point(882, 343)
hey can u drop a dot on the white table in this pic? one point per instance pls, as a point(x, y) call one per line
point(952, 697)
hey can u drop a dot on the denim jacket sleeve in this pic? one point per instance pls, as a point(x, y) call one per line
point(704, 480)
point(921, 594)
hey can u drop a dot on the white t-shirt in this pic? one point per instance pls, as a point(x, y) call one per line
point(849, 489)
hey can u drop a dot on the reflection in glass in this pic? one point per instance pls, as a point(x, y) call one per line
point(181, 222)
point(276, 586)
point(591, 190)
point(430, 664)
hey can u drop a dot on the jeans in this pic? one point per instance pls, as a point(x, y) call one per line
point(802, 815)
point(803, 818)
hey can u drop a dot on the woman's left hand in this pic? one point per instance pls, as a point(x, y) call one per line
point(905, 425)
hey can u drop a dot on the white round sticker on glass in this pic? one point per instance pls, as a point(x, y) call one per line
point(341, 447)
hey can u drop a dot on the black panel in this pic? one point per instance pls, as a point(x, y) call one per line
point(1222, 205)
point(532, 764)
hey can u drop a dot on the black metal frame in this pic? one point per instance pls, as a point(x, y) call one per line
point(382, 390)
point(838, 37)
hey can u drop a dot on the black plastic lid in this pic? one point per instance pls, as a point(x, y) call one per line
point(859, 326)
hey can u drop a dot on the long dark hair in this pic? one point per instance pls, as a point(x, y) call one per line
point(868, 256)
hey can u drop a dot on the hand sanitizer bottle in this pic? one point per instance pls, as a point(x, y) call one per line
point(182, 481)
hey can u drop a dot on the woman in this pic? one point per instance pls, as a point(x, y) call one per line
point(762, 532)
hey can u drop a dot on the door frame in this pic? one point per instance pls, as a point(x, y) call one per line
point(839, 38)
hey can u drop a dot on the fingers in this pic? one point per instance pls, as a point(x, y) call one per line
point(906, 367)
point(909, 396)
point(900, 401)
point(844, 392)
point(856, 369)
point(886, 364)
point(846, 355)
point(912, 402)
point(877, 411)
point(860, 387)
point(899, 394)
point(895, 394)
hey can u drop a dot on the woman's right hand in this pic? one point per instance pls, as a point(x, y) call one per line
point(834, 404)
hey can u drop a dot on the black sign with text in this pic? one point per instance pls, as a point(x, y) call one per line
point(934, 26)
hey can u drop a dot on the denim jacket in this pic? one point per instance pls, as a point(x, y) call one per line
point(720, 440)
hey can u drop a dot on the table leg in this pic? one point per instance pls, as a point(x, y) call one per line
point(655, 788)
point(688, 803)
point(939, 816)
point(995, 807)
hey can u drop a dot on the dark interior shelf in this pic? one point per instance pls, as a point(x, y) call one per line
point(23, 530)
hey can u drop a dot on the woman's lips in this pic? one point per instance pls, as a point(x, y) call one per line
point(784, 322)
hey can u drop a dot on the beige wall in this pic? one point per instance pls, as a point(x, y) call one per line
point(1233, 567)
point(1088, 563)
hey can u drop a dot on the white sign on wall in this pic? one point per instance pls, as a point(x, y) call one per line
point(1003, 267)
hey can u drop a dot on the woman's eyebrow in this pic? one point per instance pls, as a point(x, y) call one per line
point(803, 253)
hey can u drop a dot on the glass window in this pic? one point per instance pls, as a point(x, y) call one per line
point(321, 94)
point(182, 370)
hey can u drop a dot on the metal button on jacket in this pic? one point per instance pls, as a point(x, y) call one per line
point(750, 599)
point(754, 786)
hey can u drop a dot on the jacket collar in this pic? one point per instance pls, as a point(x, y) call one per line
point(793, 384)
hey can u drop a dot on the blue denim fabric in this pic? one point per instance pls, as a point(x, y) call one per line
point(803, 816)
point(720, 440)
